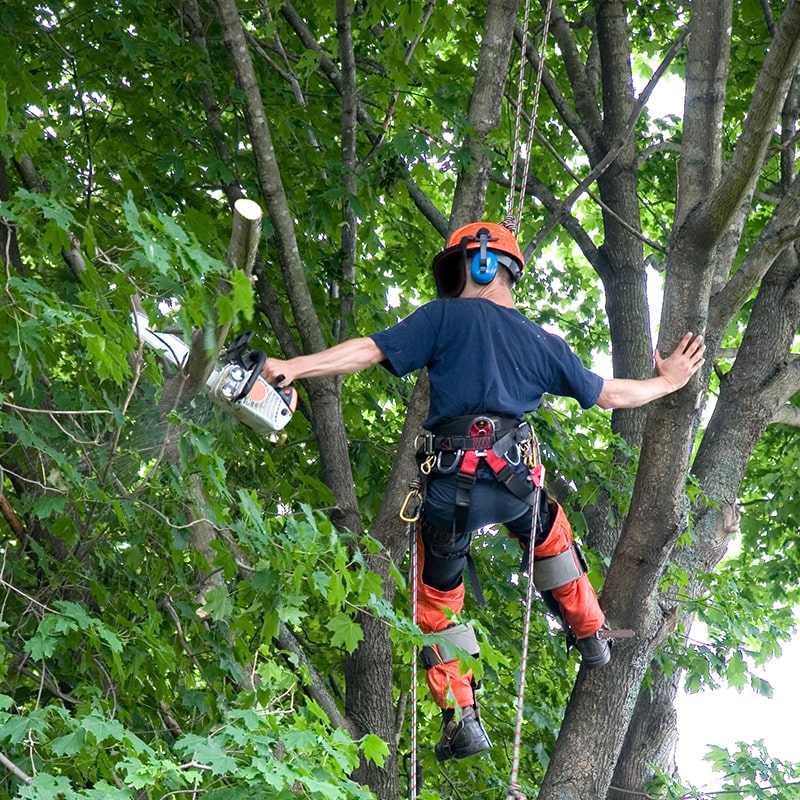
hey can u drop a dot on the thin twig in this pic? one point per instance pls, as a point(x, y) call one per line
point(50, 411)
point(13, 768)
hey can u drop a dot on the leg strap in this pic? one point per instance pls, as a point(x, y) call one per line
point(555, 571)
point(456, 637)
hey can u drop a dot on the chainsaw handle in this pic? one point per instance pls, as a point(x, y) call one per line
point(255, 361)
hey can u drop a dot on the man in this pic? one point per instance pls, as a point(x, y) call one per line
point(488, 365)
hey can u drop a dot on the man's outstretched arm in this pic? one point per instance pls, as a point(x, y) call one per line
point(341, 359)
point(673, 373)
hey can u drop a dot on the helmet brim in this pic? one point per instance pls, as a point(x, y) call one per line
point(449, 272)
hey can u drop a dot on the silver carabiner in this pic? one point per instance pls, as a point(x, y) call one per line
point(458, 455)
point(515, 448)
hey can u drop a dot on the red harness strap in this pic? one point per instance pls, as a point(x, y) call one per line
point(482, 436)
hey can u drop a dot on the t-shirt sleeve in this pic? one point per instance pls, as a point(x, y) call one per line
point(571, 378)
point(408, 346)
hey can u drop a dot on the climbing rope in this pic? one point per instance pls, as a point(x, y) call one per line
point(537, 473)
point(513, 218)
point(410, 513)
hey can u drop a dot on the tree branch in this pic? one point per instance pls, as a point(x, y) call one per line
point(485, 106)
point(330, 72)
point(269, 177)
point(777, 234)
point(316, 686)
point(613, 150)
point(14, 769)
point(344, 30)
point(591, 120)
point(787, 415)
point(758, 126)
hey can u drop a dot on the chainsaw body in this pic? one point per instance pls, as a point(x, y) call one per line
point(235, 383)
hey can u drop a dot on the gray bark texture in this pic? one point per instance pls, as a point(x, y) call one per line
point(605, 705)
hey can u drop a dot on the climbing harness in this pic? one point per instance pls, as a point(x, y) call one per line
point(513, 218)
point(460, 445)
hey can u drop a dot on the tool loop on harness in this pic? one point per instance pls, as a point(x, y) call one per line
point(455, 638)
point(555, 571)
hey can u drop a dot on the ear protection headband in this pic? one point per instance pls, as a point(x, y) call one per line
point(483, 266)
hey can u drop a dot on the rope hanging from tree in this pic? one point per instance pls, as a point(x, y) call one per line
point(410, 512)
point(513, 220)
point(537, 473)
point(513, 217)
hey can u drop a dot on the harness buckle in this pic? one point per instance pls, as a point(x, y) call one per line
point(482, 431)
point(423, 443)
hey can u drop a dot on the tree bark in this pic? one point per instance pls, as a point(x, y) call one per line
point(484, 109)
point(602, 703)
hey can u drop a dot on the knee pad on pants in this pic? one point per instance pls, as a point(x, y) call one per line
point(576, 600)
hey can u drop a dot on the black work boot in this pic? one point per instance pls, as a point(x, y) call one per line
point(595, 652)
point(466, 737)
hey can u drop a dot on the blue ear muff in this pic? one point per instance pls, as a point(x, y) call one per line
point(483, 267)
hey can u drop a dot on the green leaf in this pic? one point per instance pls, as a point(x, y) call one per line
point(210, 752)
point(375, 749)
point(346, 632)
point(101, 729)
point(46, 787)
point(218, 604)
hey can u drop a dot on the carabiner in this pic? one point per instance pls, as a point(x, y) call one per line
point(414, 494)
point(458, 455)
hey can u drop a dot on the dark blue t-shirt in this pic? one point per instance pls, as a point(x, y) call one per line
point(484, 358)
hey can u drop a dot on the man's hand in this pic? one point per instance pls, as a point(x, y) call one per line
point(277, 373)
point(684, 361)
point(673, 373)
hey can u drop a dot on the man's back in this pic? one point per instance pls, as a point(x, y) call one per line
point(484, 357)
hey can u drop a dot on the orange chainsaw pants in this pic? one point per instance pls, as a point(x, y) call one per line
point(441, 563)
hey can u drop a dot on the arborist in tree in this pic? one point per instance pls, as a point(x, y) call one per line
point(488, 365)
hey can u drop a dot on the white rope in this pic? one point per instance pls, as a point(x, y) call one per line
point(514, 791)
point(514, 219)
point(510, 217)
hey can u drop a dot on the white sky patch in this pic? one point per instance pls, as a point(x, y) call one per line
point(667, 97)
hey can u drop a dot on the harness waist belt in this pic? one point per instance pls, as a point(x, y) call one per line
point(454, 435)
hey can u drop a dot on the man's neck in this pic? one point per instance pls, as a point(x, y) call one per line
point(495, 291)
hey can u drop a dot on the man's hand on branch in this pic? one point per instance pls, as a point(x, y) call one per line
point(684, 361)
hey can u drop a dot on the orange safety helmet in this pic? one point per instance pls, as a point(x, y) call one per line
point(495, 245)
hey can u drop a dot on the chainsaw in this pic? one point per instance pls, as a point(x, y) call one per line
point(235, 383)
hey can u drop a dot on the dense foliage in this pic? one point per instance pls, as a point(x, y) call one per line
point(178, 602)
